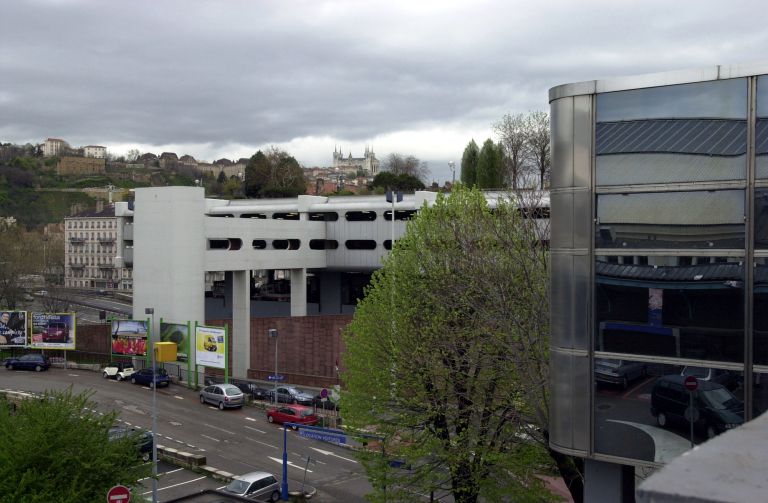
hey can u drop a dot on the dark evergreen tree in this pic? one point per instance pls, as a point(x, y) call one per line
point(489, 168)
point(469, 164)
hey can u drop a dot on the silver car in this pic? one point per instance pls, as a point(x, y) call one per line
point(224, 396)
point(255, 485)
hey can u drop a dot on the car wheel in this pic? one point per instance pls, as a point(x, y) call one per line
point(294, 427)
point(221, 405)
point(38, 368)
point(9, 366)
point(133, 380)
point(275, 496)
point(711, 432)
point(145, 457)
point(270, 419)
point(661, 419)
point(106, 376)
point(119, 377)
point(151, 385)
point(202, 400)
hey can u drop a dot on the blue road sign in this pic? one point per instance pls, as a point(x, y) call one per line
point(273, 377)
point(325, 437)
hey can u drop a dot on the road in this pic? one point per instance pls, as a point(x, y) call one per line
point(236, 441)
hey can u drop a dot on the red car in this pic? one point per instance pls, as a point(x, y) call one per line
point(56, 331)
point(292, 414)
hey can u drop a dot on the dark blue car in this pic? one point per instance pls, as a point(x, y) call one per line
point(33, 361)
point(150, 378)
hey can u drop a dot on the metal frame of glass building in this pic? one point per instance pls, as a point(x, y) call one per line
point(659, 241)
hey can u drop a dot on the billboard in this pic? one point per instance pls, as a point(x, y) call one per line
point(13, 328)
point(129, 337)
point(178, 333)
point(210, 345)
point(53, 330)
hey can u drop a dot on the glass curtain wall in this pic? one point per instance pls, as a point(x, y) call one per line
point(671, 179)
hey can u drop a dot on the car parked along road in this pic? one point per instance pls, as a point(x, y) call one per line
point(150, 378)
point(223, 396)
point(32, 361)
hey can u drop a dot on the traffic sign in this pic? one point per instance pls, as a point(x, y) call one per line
point(691, 383)
point(273, 377)
point(119, 494)
point(324, 436)
point(324, 393)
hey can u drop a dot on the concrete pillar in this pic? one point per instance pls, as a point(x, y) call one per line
point(240, 336)
point(298, 292)
point(608, 482)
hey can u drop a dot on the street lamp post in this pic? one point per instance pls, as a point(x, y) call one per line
point(151, 311)
point(272, 332)
point(452, 165)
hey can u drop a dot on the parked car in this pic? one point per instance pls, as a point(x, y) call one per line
point(255, 485)
point(32, 361)
point(292, 414)
point(253, 390)
point(56, 331)
point(290, 394)
point(717, 408)
point(326, 404)
point(150, 378)
point(143, 439)
point(223, 396)
point(119, 371)
point(727, 378)
point(619, 372)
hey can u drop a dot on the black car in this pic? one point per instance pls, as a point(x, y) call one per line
point(142, 438)
point(715, 408)
point(289, 394)
point(250, 389)
point(32, 361)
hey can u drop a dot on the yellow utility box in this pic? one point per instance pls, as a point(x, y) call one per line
point(165, 351)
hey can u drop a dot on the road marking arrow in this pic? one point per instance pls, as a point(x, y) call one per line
point(280, 461)
point(329, 453)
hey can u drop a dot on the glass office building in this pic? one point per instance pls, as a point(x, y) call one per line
point(659, 261)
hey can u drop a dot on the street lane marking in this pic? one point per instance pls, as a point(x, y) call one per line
point(74, 375)
point(211, 438)
point(256, 429)
point(220, 429)
point(178, 397)
point(290, 463)
point(175, 485)
point(329, 453)
point(262, 443)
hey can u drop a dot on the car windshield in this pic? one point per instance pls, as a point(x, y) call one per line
point(237, 487)
point(232, 391)
point(720, 399)
point(699, 372)
point(305, 413)
point(295, 391)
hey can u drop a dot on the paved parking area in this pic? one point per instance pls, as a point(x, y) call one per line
point(175, 482)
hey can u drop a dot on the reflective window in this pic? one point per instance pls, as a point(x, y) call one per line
point(360, 216)
point(399, 215)
point(761, 128)
point(760, 312)
point(681, 307)
point(761, 218)
point(684, 133)
point(760, 392)
point(640, 407)
point(702, 219)
point(327, 216)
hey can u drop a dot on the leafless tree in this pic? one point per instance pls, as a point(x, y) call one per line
point(539, 144)
point(513, 137)
point(399, 164)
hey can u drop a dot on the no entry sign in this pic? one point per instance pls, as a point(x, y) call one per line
point(119, 494)
point(691, 383)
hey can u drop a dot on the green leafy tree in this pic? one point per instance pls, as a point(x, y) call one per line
point(489, 167)
point(57, 449)
point(513, 132)
point(447, 358)
point(274, 174)
point(222, 178)
point(404, 181)
point(469, 164)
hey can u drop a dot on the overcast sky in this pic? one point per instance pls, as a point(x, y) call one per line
point(224, 78)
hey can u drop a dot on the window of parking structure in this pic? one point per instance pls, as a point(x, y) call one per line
point(360, 244)
point(323, 244)
point(669, 309)
point(761, 129)
point(326, 216)
point(399, 215)
point(285, 216)
point(387, 244)
point(286, 244)
point(259, 244)
point(260, 216)
point(360, 216)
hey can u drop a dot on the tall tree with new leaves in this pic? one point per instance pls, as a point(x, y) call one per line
point(469, 164)
point(490, 174)
point(538, 144)
point(447, 358)
point(513, 137)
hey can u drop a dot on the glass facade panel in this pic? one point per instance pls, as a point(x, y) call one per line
point(761, 128)
point(760, 312)
point(685, 133)
point(640, 407)
point(679, 307)
point(699, 219)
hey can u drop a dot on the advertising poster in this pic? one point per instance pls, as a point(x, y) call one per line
point(129, 337)
point(53, 330)
point(13, 328)
point(178, 333)
point(209, 342)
